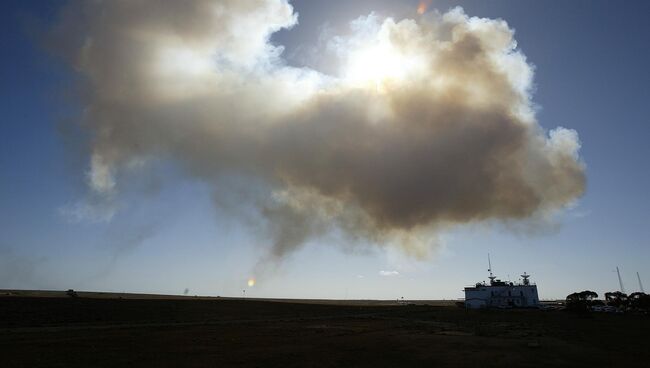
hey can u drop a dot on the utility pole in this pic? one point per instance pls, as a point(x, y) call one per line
point(640, 284)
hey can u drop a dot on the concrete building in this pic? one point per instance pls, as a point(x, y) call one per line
point(502, 294)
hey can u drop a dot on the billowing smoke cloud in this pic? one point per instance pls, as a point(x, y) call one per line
point(428, 124)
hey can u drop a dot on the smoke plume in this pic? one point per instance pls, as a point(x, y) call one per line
point(428, 124)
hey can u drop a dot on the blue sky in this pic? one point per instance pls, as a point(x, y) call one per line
point(591, 75)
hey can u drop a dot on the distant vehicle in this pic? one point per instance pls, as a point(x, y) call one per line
point(598, 308)
point(610, 309)
point(605, 309)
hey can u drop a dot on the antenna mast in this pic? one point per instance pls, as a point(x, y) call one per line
point(492, 277)
point(620, 281)
point(640, 284)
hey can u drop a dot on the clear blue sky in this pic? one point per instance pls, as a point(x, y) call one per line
point(591, 74)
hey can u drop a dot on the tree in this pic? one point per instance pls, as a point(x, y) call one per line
point(597, 302)
point(588, 295)
point(616, 299)
point(71, 293)
point(639, 301)
point(580, 301)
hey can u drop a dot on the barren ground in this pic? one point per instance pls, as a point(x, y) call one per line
point(104, 330)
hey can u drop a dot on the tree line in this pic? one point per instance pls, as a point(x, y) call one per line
point(587, 300)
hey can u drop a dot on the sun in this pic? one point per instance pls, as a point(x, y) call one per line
point(378, 65)
point(251, 282)
point(373, 64)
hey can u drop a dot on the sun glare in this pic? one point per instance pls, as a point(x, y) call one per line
point(378, 65)
point(251, 282)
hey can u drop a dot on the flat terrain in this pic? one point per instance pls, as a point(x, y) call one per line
point(138, 331)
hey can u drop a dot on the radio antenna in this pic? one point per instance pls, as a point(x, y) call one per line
point(640, 284)
point(620, 281)
point(492, 277)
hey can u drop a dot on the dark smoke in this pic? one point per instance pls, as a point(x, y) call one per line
point(444, 135)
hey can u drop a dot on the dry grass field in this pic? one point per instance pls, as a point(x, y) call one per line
point(112, 330)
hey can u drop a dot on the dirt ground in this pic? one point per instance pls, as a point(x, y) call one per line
point(51, 331)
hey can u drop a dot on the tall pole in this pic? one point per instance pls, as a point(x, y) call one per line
point(489, 265)
point(620, 281)
point(492, 277)
point(640, 284)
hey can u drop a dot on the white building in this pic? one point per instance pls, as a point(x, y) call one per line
point(502, 294)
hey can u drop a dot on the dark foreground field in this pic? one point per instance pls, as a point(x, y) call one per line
point(105, 332)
